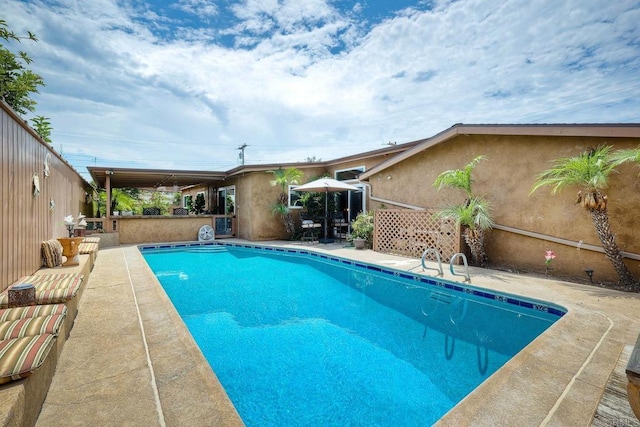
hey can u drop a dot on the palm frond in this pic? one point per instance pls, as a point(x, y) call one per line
point(589, 170)
point(471, 166)
point(280, 209)
point(474, 213)
point(285, 177)
point(628, 155)
point(458, 178)
point(482, 213)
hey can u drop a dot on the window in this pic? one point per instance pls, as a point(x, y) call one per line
point(351, 202)
point(349, 174)
point(294, 198)
point(227, 200)
point(186, 201)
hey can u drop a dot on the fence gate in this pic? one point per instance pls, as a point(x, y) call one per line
point(410, 233)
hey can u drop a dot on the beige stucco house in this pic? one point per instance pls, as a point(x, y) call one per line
point(254, 196)
point(526, 224)
point(401, 177)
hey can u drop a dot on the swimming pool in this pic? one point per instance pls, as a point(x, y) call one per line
point(299, 338)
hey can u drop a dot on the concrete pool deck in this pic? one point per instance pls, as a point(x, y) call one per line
point(129, 359)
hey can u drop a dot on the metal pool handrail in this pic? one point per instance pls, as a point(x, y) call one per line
point(439, 268)
point(466, 276)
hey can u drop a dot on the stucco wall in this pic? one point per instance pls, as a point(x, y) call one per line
point(506, 178)
point(135, 230)
point(368, 163)
point(255, 198)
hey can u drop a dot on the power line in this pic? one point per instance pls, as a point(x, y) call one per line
point(562, 107)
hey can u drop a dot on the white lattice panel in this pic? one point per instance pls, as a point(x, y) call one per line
point(410, 233)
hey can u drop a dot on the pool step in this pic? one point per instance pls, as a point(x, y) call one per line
point(442, 297)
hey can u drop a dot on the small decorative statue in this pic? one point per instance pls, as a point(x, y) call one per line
point(68, 222)
point(82, 223)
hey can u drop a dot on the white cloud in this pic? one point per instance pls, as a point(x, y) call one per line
point(202, 8)
point(114, 80)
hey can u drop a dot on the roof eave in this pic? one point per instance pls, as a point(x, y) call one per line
point(594, 130)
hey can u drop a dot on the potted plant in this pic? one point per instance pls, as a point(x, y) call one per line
point(362, 230)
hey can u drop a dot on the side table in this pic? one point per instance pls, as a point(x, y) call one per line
point(22, 295)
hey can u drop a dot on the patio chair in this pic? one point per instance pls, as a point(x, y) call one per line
point(151, 211)
point(180, 211)
point(340, 225)
point(310, 229)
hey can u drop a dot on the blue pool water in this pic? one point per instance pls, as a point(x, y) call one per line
point(301, 339)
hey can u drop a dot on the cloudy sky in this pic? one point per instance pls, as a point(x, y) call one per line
point(182, 84)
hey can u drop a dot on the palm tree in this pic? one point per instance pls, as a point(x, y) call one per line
point(458, 178)
point(474, 214)
point(284, 178)
point(590, 172)
point(475, 217)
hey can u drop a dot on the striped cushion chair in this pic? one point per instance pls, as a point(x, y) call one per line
point(16, 313)
point(56, 296)
point(52, 281)
point(50, 288)
point(89, 248)
point(30, 326)
point(20, 357)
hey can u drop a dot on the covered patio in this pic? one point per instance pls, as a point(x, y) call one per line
point(183, 226)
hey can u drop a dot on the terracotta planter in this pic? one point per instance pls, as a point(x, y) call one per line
point(70, 249)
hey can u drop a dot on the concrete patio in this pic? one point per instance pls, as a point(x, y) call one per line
point(130, 360)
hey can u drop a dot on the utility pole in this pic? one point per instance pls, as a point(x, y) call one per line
point(241, 155)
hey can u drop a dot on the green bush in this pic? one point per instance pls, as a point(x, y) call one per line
point(362, 227)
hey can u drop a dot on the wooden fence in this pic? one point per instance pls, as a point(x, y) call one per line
point(27, 217)
point(410, 233)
